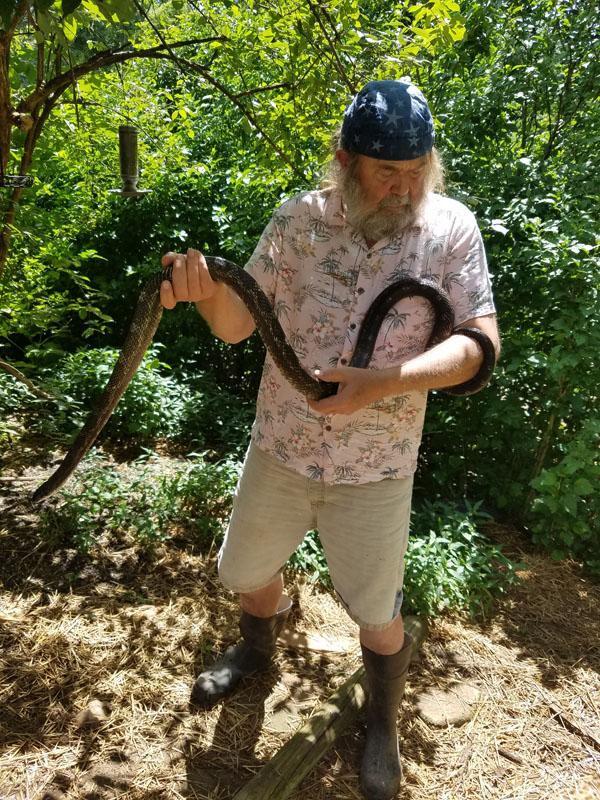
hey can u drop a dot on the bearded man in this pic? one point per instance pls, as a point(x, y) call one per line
point(344, 465)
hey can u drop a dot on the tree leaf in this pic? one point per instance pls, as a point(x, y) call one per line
point(583, 487)
point(68, 7)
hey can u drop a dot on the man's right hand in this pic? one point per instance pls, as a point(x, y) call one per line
point(190, 282)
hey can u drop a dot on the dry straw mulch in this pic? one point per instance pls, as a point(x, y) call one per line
point(130, 633)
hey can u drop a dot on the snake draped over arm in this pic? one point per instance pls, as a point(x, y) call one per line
point(148, 313)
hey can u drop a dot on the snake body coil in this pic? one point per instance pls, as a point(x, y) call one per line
point(148, 313)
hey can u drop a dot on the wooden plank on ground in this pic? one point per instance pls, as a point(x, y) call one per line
point(292, 763)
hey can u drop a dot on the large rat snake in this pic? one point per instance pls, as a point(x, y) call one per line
point(148, 313)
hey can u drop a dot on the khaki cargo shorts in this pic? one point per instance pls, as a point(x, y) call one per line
point(363, 529)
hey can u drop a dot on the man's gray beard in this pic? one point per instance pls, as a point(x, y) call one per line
point(388, 219)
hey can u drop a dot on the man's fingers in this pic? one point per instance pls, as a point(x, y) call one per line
point(168, 259)
point(207, 285)
point(167, 298)
point(193, 275)
point(322, 406)
point(190, 278)
point(179, 278)
point(336, 375)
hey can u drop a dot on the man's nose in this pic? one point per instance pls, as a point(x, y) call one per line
point(401, 185)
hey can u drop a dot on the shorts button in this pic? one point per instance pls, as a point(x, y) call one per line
point(352, 326)
point(343, 361)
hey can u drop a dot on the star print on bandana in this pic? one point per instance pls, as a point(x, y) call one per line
point(393, 118)
point(389, 120)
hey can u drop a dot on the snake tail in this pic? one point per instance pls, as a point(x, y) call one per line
point(146, 318)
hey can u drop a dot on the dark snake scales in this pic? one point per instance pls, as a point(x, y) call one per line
point(148, 313)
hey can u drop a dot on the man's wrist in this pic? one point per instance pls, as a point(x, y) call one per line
point(393, 382)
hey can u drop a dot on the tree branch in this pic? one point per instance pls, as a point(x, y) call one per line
point(340, 67)
point(106, 58)
point(250, 116)
point(20, 12)
point(33, 135)
point(263, 89)
point(20, 377)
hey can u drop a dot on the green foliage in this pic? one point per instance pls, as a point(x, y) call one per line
point(60, 19)
point(151, 406)
point(244, 121)
point(450, 564)
point(144, 503)
point(566, 505)
point(56, 295)
point(214, 418)
point(310, 559)
point(521, 144)
point(13, 397)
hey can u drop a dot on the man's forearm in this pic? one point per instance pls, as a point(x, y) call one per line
point(451, 362)
point(454, 361)
point(227, 316)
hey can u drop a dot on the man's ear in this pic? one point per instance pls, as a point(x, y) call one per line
point(343, 157)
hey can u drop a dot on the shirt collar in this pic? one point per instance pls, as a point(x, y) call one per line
point(334, 212)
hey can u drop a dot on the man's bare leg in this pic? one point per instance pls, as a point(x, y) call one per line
point(264, 602)
point(387, 641)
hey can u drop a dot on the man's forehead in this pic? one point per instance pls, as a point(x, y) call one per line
point(398, 166)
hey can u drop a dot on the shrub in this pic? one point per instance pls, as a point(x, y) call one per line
point(566, 505)
point(151, 406)
point(214, 418)
point(450, 564)
point(12, 397)
point(310, 559)
point(144, 503)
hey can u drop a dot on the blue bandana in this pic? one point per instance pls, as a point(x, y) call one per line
point(388, 120)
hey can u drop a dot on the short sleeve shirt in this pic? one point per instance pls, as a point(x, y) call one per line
point(321, 277)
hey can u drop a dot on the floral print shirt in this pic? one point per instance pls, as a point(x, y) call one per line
point(321, 276)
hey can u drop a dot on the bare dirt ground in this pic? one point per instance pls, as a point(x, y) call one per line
point(99, 654)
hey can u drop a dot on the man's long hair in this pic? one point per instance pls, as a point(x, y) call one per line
point(434, 179)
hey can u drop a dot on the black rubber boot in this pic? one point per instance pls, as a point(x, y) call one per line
point(381, 772)
point(254, 653)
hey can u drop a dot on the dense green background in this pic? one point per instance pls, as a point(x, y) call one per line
point(230, 127)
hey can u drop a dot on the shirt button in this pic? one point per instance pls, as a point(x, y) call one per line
point(369, 255)
point(327, 427)
point(360, 290)
point(352, 326)
point(343, 361)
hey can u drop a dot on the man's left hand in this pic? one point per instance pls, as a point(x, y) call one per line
point(357, 388)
